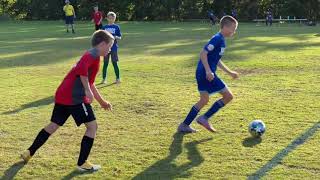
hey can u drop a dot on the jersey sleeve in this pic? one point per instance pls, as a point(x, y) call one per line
point(83, 65)
point(214, 42)
point(93, 74)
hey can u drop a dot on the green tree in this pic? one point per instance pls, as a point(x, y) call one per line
point(163, 9)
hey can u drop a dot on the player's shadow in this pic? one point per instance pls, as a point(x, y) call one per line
point(167, 169)
point(12, 171)
point(75, 173)
point(251, 141)
point(43, 102)
point(37, 103)
point(101, 85)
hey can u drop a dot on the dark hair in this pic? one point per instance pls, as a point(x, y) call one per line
point(227, 21)
point(101, 36)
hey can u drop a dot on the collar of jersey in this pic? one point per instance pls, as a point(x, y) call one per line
point(222, 37)
point(94, 52)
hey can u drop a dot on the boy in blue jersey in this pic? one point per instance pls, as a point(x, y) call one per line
point(114, 29)
point(269, 18)
point(207, 79)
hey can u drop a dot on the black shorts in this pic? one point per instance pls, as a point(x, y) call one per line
point(69, 19)
point(98, 26)
point(114, 56)
point(81, 113)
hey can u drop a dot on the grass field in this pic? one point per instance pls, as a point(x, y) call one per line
point(280, 84)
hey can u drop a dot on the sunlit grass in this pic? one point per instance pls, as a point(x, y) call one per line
point(279, 84)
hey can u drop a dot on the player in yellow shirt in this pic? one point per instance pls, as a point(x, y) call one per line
point(69, 14)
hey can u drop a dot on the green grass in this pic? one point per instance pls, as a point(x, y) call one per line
point(279, 84)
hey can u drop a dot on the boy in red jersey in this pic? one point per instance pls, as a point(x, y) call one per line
point(74, 96)
point(97, 17)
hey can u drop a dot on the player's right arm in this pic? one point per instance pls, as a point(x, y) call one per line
point(204, 60)
point(100, 21)
point(85, 83)
point(81, 69)
point(209, 47)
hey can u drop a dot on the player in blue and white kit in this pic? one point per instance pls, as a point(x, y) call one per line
point(207, 79)
point(114, 29)
point(269, 18)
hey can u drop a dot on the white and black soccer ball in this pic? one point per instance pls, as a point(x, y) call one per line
point(257, 128)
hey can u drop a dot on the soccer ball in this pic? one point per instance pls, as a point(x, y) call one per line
point(257, 128)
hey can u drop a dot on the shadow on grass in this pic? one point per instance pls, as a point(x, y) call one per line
point(262, 46)
point(167, 169)
point(284, 152)
point(75, 173)
point(140, 43)
point(44, 102)
point(12, 171)
point(38, 103)
point(101, 85)
point(251, 141)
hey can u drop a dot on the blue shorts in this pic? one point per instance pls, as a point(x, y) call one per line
point(215, 86)
point(69, 19)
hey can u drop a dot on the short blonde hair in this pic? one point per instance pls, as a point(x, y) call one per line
point(101, 36)
point(112, 14)
point(227, 21)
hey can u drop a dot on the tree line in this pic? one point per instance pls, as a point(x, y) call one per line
point(150, 10)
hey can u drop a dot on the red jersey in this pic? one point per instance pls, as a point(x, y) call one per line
point(96, 16)
point(71, 90)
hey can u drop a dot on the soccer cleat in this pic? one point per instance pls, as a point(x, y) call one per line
point(183, 128)
point(26, 156)
point(103, 81)
point(87, 166)
point(204, 122)
point(118, 81)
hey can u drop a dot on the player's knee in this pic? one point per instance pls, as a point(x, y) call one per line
point(204, 101)
point(228, 98)
point(92, 127)
point(51, 128)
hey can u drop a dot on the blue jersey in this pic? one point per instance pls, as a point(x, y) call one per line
point(215, 48)
point(210, 14)
point(269, 15)
point(114, 29)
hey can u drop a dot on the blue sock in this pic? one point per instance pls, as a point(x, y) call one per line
point(214, 108)
point(192, 114)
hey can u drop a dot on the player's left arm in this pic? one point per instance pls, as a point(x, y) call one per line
point(100, 21)
point(118, 34)
point(103, 103)
point(226, 69)
point(74, 13)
